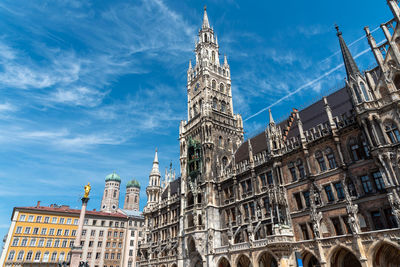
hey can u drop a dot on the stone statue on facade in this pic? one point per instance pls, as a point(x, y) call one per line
point(352, 210)
point(395, 205)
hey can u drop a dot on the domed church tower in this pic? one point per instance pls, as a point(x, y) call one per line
point(132, 195)
point(110, 199)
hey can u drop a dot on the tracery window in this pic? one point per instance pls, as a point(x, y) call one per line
point(223, 106)
point(357, 93)
point(214, 84)
point(364, 91)
point(393, 132)
point(221, 87)
point(214, 103)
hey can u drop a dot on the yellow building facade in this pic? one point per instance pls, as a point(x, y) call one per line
point(40, 236)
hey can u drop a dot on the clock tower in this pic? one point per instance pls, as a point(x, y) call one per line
point(208, 139)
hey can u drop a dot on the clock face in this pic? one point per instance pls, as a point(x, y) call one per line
point(196, 87)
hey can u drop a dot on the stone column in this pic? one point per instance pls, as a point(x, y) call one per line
point(76, 250)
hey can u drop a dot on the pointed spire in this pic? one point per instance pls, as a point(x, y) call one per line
point(349, 63)
point(216, 40)
point(190, 65)
point(271, 119)
point(225, 61)
point(154, 169)
point(251, 157)
point(206, 24)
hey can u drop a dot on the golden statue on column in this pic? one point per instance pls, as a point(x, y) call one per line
point(87, 190)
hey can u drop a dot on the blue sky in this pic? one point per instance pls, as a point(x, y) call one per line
point(91, 87)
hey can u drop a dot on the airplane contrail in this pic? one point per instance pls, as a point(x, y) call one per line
point(310, 82)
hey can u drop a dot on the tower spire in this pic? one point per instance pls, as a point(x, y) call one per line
point(206, 24)
point(349, 63)
point(155, 169)
point(271, 119)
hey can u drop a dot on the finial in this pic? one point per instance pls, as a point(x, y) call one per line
point(205, 7)
point(337, 30)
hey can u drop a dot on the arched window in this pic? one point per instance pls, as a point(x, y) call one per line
point(115, 193)
point(357, 93)
point(321, 161)
point(352, 188)
point(227, 73)
point(135, 199)
point(223, 106)
point(214, 103)
point(20, 256)
point(300, 168)
point(220, 141)
point(38, 255)
point(46, 256)
point(354, 148)
point(29, 256)
point(221, 87)
point(224, 161)
point(396, 82)
point(54, 256)
point(11, 255)
point(393, 132)
point(62, 256)
point(213, 57)
point(364, 91)
point(190, 199)
point(331, 158)
point(214, 84)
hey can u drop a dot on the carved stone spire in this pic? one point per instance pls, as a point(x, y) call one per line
point(206, 24)
point(349, 63)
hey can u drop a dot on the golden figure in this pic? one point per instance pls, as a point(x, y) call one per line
point(87, 190)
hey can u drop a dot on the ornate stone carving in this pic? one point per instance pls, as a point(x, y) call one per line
point(352, 210)
point(394, 201)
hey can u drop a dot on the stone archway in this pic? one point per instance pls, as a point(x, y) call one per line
point(244, 261)
point(267, 260)
point(223, 262)
point(386, 255)
point(174, 265)
point(343, 257)
point(309, 260)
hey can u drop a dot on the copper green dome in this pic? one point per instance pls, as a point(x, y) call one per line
point(133, 183)
point(113, 177)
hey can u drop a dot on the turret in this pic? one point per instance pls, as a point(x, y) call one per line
point(110, 201)
point(154, 188)
point(132, 195)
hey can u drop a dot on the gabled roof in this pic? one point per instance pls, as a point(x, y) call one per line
point(311, 116)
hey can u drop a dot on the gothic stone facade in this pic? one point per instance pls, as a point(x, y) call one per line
point(321, 186)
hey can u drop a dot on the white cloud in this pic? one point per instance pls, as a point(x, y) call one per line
point(78, 96)
point(7, 107)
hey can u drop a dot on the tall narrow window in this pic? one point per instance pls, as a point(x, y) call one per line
point(321, 161)
point(213, 57)
point(292, 170)
point(339, 190)
point(221, 88)
point(357, 93)
point(329, 194)
point(297, 197)
point(379, 183)
point(304, 231)
point(263, 180)
point(306, 195)
point(366, 183)
point(354, 149)
point(223, 106)
point(364, 91)
point(300, 167)
point(376, 219)
point(331, 158)
point(337, 226)
point(213, 84)
point(270, 179)
point(214, 103)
